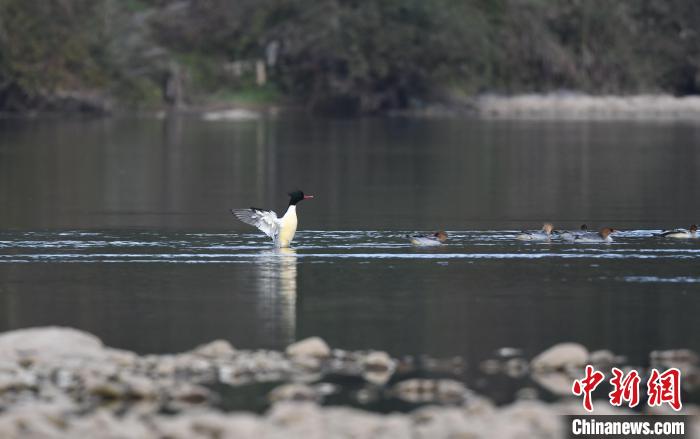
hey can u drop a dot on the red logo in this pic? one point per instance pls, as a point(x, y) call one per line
point(665, 387)
point(661, 387)
point(624, 389)
point(587, 385)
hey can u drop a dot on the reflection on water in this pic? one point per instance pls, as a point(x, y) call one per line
point(276, 272)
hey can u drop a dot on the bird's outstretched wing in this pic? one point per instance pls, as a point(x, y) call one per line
point(265, 220)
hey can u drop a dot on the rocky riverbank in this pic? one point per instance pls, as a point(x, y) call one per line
point(64, 383)
point(565, 106)
point(587, 107)
point(555, 106)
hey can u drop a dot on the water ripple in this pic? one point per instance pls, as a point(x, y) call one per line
point(179, 247)
point(656, 279)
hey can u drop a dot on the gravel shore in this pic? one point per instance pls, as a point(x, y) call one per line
point(64, 383)
point(579, 106)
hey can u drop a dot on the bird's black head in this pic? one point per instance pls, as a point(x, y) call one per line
point(297, 196)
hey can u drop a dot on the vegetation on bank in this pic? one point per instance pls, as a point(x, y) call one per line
point(347, 56)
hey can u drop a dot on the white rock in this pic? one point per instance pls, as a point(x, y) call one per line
point(378, 367)
point(561, 356)
point(140, 387)
point(217, 349)
point(309, 347)
point(32, 420)
point(295, 420)
point(438, 422)
point(602, 358)
point(165, 366)
point(580, 106)
point(308, 363)
point(121, 357)
point(49, 344)
point(105, 425)
point(350, 423)
point(530, 419)
point(209, 425)
point(377, 360)
point(232, 114)
point(294, 392)
point(601, 406)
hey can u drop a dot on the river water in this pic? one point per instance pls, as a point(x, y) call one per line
point(121, 227)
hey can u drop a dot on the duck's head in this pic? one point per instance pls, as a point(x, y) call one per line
point(441, 236)
point(547, 228)
point(297, 196)
point(694, 228)
point(606, 231)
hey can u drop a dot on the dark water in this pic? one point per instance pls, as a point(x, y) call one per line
point(120, 227)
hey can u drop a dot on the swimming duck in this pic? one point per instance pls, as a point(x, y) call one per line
point(541, 235)
point(281, 230)
point(437, 238)
point(680, 233)
point(602, 236)
point(567, 235)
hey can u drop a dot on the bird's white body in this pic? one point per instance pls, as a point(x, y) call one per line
point(541, 235)
point(679, 234)
point(533, 236)
point(437, 238)
point(425, 240)
point(287, 228)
